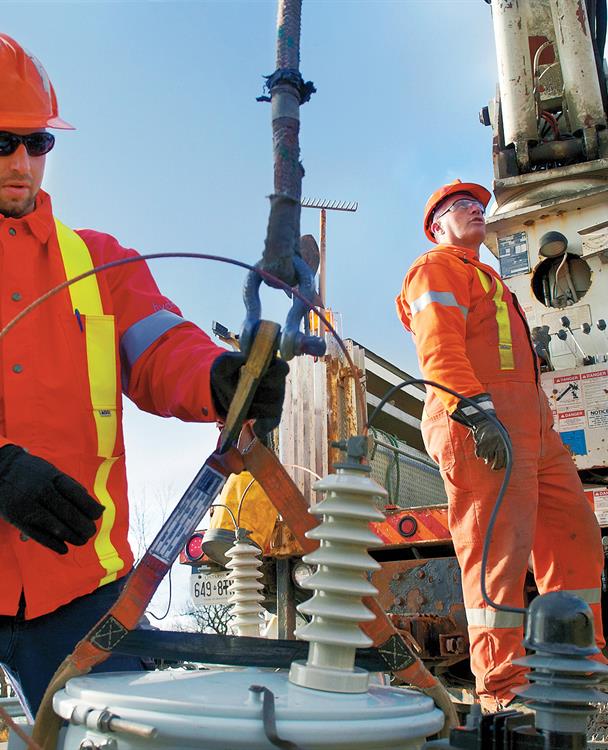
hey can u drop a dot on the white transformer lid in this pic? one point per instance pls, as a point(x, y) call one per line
point(215, 710)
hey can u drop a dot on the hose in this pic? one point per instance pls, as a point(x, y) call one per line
point(266, 276)
point(503, 487)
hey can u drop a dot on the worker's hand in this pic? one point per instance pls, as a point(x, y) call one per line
point(267, 404)
point(43, 502)
point(489, 443)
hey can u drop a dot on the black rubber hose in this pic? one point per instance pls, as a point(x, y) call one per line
point(601, 18)
point(596, 12)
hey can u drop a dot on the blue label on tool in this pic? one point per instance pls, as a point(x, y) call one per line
point(187, 514)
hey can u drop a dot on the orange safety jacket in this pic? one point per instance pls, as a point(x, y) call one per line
point(63, 370)
point(469, 328)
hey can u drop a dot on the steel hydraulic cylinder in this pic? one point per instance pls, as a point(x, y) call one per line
point(579, 71)
point(514, 72)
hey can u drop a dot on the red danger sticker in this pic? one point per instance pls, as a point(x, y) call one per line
point(566, 378)
point(598, 374)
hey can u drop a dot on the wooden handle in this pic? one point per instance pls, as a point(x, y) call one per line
point(258, 360)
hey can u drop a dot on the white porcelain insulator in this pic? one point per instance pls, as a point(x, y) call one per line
point(339, 583)
point(245, 587)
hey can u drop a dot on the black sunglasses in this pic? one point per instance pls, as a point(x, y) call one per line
point(36, 144)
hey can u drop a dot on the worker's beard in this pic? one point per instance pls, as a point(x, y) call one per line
point(17, 209)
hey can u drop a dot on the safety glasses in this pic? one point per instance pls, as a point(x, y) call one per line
point(462, 203)
point(36, 144)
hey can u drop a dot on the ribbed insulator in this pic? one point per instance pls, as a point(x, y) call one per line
point(245, 586)
point(563, 678)
point(562, 689)
point(340, 582)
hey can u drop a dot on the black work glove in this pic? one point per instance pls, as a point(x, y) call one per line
point(43, 502)
point(267, 403)
point(489, 443)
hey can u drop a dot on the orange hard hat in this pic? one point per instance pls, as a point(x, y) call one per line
point(27, 98)
point(458, 186)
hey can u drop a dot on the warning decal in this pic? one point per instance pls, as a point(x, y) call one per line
point(578, 399)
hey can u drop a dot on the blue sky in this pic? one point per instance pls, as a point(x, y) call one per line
point(172, 152)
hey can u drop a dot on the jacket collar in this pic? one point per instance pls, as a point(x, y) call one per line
point(39, 222)
point(461, 252)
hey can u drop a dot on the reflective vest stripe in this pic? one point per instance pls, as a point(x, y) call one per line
point(101, 363)
point(447, 299)
point(591, 596)
point(493, 618)
point(84, 294)
point(141, 335)
point(101, 343)
point(505, 341)
point(109, 559)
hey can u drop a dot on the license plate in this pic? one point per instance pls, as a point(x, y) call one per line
point(207, 589)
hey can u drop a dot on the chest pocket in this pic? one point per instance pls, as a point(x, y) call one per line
point(495, 302)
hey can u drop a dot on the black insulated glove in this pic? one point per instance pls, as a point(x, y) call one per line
point(267, 404)
point(44, 503)
point(489, 443)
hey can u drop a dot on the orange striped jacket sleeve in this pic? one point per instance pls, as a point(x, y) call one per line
point(434, 304)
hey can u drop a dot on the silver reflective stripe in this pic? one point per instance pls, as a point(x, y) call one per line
point(446, 299)
point(591, 596)
point(469, 411)
point(492, 618)
point(136, 339)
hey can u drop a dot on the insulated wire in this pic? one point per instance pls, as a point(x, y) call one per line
point(268, 278)
point(242, 500)
point(302, 468)
point(223, 505)
point(503, 487)
point(162, 617)
point(276, 282)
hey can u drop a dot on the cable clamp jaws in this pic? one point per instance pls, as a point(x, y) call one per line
point(293, 342)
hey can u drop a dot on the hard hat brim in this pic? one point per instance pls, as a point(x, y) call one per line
point(56, 123)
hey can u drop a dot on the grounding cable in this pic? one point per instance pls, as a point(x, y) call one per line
point(503, 487)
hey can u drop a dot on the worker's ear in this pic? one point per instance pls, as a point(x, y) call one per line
point(436, 228)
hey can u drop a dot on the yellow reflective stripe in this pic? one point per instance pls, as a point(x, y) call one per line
point(84, 294)
point(505, 340)
point(485, 280)
point(101, 343)
point(101, 363)
point(109, 559)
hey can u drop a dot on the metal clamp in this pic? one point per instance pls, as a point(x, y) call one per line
point(293, 341)
point(103, 720)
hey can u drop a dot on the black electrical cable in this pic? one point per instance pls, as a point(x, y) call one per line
point(601, 23)
point(156, 617)
point(597, 16)
point(271, 280)
point(269, 719)
point(503, 487)
point(281, 285)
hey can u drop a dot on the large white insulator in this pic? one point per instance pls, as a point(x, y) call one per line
point(245, 585)
point(340, 582)
point(514, 72)
point(579, 71)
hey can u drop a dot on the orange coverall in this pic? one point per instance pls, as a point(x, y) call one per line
point(471, 335)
